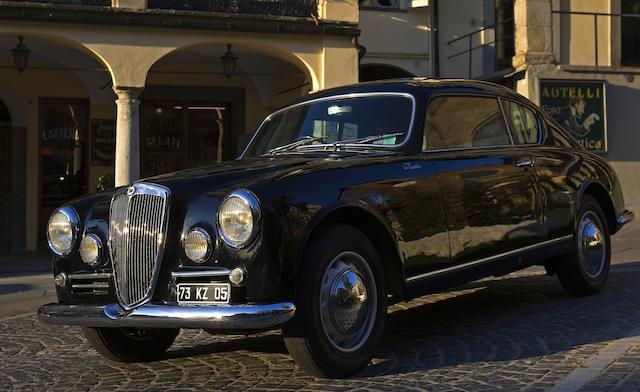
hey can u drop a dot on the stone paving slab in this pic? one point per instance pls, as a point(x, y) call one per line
point(519, 332)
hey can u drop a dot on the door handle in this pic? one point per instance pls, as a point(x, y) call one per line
point(524, 163)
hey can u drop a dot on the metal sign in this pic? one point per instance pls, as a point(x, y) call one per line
point(580, 107)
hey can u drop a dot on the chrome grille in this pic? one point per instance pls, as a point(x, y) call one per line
point(137, 229)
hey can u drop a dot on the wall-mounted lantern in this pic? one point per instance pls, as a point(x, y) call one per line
point(229, 62)
point(21, 55)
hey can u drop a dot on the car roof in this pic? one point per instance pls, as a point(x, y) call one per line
point(418, 85)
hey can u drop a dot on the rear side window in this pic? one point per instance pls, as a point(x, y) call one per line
point(524, 123)
point(464, 122)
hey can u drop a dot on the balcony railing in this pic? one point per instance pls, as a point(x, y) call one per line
point(296, 8)
point(502, 30)
point(98, 3)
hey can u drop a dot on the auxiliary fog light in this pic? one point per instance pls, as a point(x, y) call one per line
point(91, 249)
point(236, 276)
point(197, 245)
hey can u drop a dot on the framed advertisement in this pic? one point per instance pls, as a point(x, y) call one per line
point(103, 142)
point(580, 107)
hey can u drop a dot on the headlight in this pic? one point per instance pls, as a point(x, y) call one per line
point(91, 249)
point(197, 245)
point(239, 218)
point(62, 230)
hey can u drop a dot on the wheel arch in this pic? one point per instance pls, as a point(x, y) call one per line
point(599, 192)
point(374, 228)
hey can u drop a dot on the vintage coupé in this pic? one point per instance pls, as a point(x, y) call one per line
point(344, 202)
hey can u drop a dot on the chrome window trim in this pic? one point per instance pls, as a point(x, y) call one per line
point(207, 238)
point(500, 98)
point(487, 259)
point(74, 218)
point(507, 123)
point(345, 96)
point(254, 205)
point(148, 189)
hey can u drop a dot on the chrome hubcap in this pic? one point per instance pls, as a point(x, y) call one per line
point(591, 244)
point(348, 302)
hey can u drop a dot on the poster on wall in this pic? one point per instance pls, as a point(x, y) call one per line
point(580, 107)
point(103, 142)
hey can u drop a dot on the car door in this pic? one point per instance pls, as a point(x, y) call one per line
point(488, 185)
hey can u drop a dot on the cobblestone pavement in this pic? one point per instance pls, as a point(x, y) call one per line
point(519, 332)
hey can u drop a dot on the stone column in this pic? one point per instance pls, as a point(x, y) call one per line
point(127, 135)
point(533, 33)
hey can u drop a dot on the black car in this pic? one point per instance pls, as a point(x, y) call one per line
point(344, 202)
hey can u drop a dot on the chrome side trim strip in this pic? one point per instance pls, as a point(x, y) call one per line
point(200, 274)
point(488, 259)
point(227, 318)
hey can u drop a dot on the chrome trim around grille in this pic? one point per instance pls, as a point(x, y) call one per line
point(138, 219)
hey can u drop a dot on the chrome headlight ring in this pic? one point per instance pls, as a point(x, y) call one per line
point(74, 221)
point(204, 237)
point(251, 202)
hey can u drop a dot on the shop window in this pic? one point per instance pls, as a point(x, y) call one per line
point(177, 136)
point(63, 129)
point(631, 33)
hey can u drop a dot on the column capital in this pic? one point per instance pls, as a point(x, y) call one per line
point(127, 93)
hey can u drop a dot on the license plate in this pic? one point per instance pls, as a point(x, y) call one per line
point(203, 293)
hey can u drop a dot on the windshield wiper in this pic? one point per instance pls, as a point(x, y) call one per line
point(374, 138)
point(298, 143)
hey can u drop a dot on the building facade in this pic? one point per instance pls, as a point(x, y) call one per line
point(98, 92)
point(114, 90)
point(578, 59)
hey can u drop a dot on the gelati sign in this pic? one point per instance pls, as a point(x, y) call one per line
point(579, 106)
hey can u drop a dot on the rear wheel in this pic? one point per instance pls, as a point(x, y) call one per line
point(130, 344)
point(586, 271)
point(341, 304)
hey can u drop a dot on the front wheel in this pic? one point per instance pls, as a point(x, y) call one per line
point(341, 304)
point(130, 344)
point(586, 271)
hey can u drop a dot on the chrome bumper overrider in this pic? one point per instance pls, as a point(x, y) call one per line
point(626, 217)
point(222, 317)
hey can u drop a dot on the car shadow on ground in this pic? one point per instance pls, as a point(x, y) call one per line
point(502, 319)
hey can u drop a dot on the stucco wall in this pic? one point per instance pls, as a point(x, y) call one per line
point(399, 38)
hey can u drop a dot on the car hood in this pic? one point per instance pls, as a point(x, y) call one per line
point(226, 176)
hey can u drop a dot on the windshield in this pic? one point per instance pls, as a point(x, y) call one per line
point(349, 122)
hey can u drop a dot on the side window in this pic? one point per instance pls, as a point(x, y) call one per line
point(524, 123)
point(558, 137)
point(464, 122)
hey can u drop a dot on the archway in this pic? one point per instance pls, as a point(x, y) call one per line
point(371, 72)
point(192, 114)
point(5, 152)
point(60, 92)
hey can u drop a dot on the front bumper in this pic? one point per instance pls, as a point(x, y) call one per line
point(624, 219)
point(223, 318)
